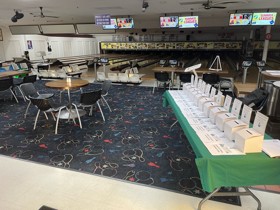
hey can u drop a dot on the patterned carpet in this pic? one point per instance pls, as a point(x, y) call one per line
point(134, 143)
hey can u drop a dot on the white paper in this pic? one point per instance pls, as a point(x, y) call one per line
point(213, 139)
point(236, 107)
point(213, 92)
point(272, 147)
point(207, 89)
point(260, 123)
point(246, 114)
point(227, 102)
point(222, 149)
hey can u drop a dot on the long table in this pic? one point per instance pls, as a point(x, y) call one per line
point(13, 73)
point(227, 171)
point(179, 70)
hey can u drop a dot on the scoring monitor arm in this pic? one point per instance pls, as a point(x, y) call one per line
point(193, 68)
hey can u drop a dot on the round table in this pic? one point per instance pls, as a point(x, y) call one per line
point(68, 84)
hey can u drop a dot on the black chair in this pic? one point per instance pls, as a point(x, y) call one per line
point(46, 106)
point(162, 78)
point(89, 99)
point(184, 78)
point(104, 92)
point(226, 85)
point(7, 85)
point(26, 79)
point(29, 90)
point(256, 99)
point(212, 78)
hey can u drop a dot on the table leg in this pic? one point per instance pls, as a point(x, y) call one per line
point(70, 113)
point(216, 193)
point(95, 72)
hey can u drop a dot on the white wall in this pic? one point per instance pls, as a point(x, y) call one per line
point(15, 45)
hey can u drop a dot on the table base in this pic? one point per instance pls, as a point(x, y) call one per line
point(65, 114)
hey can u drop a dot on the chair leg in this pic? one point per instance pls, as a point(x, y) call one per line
point(102, 101)
point(100, 111)
point(78, 114)
point(106, 103)
point(60, 95)
point(57, 120)
point(90, 111)
point(36, 119)
point(46, 115)
point(14, 95)
point(27, 108)
point(21, 94)
point(173, 125)
point(154, 86)
point(53, 116)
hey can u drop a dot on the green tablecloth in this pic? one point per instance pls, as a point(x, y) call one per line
point(227, 171)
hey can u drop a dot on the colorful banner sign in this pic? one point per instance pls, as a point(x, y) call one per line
point(267, 18)
point(188, 22)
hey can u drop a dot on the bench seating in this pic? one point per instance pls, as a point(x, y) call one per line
point(72, 70)
point(130, 76)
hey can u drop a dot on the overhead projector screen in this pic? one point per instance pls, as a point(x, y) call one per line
point(87, 28)
point(28, 29)
point(58, 29)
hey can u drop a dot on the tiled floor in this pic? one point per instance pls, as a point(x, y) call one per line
point(268, 188)
point(28, 186)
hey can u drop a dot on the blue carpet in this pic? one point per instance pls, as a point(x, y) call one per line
point(134, 143)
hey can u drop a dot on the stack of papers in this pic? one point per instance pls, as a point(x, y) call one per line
point(272, 147)
point(213, 139)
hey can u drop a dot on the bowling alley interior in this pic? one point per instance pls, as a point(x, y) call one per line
point(140, 104)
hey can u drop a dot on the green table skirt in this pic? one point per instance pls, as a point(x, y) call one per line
point(227, 171)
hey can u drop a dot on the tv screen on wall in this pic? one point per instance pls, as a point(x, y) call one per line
point(240, 19)
point(169, 22)
point(125, 23)
point(112, 26)
point(264, 18)
point(188, 22)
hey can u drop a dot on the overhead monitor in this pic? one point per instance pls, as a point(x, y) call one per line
point(188, 22)
point(240, 19)
point(169, 21)
point(264, 18)
point(112, 26)
point(125, 23)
